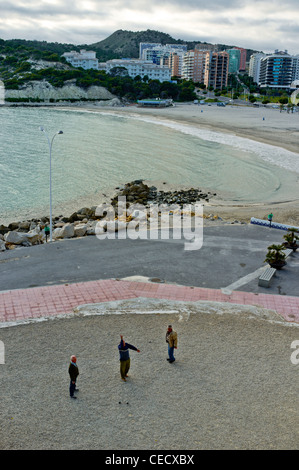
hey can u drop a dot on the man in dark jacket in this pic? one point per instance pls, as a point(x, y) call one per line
point(124, 357)
point(73, 372)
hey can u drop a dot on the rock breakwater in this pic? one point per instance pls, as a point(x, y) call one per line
point(131, 202)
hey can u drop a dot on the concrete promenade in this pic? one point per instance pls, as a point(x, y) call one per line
point(39, 302)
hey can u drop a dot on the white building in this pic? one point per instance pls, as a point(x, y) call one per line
point(85, 59)
point(135, 67)
point(158, 49)
point(169, 54)
point(277, 70)
point(296, 67)
point(255, 66)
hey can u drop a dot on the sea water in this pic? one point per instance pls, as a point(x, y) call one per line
point(99, 151)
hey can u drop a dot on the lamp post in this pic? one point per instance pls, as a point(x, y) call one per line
point(50, 142)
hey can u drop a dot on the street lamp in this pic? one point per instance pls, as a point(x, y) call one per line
point(50, 142)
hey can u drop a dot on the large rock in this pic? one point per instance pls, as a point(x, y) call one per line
point(3, 229)
point(67, 231)
point(2, 245)
point(80, 230)
point(34, 236)
point(15, 238)
point(115, 226)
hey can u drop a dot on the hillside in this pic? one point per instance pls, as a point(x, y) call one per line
point(126, 43)
point(23, 62)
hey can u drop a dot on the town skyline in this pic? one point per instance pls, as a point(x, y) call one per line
point(258, 25)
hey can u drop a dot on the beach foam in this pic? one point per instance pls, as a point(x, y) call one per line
point(269, 153)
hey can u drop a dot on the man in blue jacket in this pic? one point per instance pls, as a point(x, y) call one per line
point(124, 357)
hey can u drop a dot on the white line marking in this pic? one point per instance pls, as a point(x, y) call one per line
point(242, 281)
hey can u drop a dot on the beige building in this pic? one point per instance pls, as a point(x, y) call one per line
point(217, 70)
point(194, 65)
point(210, 68)
point(175, 62)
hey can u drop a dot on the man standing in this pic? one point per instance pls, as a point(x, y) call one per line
point(124, 357)
point(47, 231)
point(172, 340)
point(73, 372)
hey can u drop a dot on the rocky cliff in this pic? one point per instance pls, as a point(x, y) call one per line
point(44, 91)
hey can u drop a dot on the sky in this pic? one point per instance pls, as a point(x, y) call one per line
point(263, 25)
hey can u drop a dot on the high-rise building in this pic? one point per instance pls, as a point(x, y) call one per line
point(234, 60)
point(255, 66)
point(175, 62)
point(194, 65)
point(296, 67)
point(243, 55)
point(277, 70)
point(216, 74)
point(154, 52)
point(210, 68)
point(168, 54)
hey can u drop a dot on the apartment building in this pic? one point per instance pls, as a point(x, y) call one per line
point(277, 70)
point(154, 51)
point(169, 54)
point(255, 66)
point(210, 68)
point(85, 59)
point(194, 65)
point(135, 67)
point(217, 66)
point(243, 55)
point(175, 62)
point(234, 60)
point(296, 67)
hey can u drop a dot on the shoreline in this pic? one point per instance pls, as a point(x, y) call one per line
point(261, 125)
point(265, 131)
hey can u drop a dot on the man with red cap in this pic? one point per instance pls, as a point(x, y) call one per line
point(73, 372)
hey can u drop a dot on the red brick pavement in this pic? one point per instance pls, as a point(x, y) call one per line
point(61, 299)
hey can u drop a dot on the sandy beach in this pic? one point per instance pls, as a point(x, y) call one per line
point(264, 125)
point(232, 386)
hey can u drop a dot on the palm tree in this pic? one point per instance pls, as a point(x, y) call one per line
point(275, 256)
point(291, 239)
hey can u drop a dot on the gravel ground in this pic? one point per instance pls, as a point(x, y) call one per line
point(233, 385)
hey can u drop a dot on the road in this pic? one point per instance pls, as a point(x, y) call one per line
point(231, 257)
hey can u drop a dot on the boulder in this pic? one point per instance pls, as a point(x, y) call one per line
point(80, 230)
point(15, 238)
point(115, 226)
point(2, 245)
point(25, 225)
point(139, 215)
point(3, 229)
point(67, 231)
point(13, 226)
point(34, 236)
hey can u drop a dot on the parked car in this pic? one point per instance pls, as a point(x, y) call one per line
point(221, 104)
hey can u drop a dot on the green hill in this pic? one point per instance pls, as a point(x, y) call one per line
point(126, 43)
